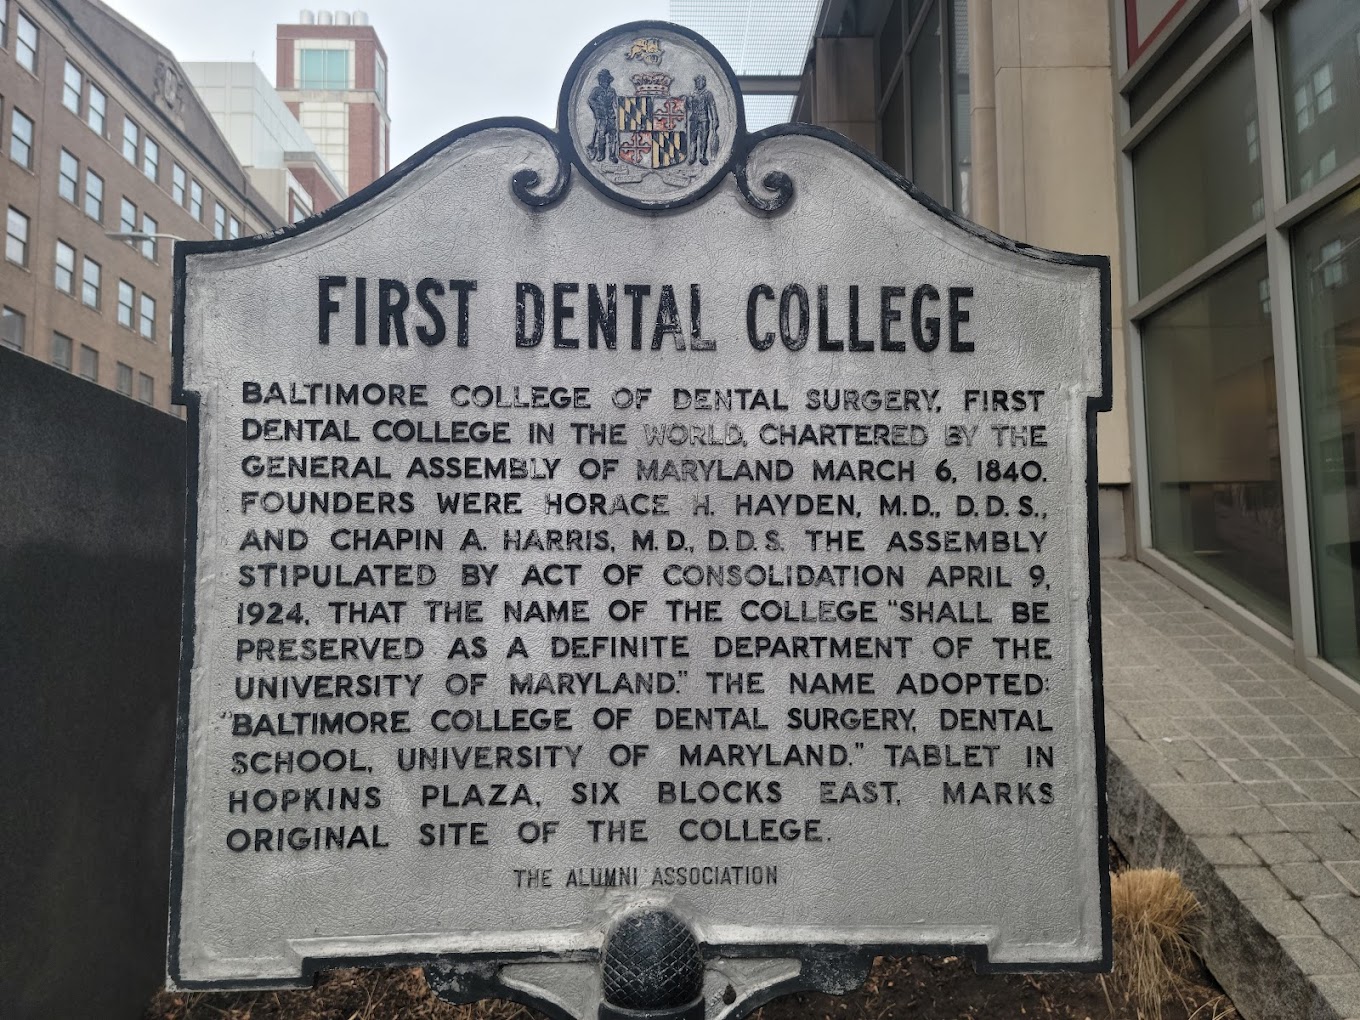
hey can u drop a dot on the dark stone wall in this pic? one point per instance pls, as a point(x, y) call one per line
point(92, 489)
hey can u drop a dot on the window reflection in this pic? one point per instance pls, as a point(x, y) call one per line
point(1197, 176)
point(1326, 250)
point(1213, 438)
point(1319, 51)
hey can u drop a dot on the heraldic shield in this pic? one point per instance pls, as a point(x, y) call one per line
point(652, 123)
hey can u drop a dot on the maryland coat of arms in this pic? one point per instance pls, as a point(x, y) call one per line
point(652, 130)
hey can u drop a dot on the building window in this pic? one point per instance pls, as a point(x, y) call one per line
point(146, 320)
point(26, 45)
point(96, 111)
point(72, 84)
point(21, 138)
point(146, 388)
point(64, 274)
point(16, 237)
point(327, 124)
point(68, 176)
point(131, 137)
point(219, 221)
point(151, 159)
point(196, 200)
point(1328, 309)
point(90, 276)
point(127, 218)
point(177, 183)
point(89, 363)
point(94, 196)
point(1195, 187)
point(1324, 132)
point(233, 228)
point(323, 69)
point(149, 226)
point(125, 302)
point(61, 351)
point(4, 23)
point(125, 379)
point(11, 325)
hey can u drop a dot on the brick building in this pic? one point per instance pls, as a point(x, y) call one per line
point(332, 73)
point(101, 134)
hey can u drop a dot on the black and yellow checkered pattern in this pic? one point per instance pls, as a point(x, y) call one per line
point(635, 113)
point(668, 148)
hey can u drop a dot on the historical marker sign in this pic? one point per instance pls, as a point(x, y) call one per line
point(642, 516)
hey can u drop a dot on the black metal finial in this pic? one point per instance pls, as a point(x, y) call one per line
point(651, 966)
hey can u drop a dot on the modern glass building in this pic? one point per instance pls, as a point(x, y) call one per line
point(1212, 148)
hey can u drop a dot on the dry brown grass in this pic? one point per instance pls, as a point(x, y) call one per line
point(398, 992)
point(1154, 917)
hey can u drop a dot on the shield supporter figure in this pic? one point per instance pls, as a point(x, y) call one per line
point(604, 141)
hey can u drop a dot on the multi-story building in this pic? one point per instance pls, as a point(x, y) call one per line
point(102, 136)
point(1212, 148)
point(265, 136)
point(332, 73)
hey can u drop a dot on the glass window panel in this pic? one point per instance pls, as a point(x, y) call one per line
point(71, 85)
point(130, 138)
point(219, 221)
point(26, 45)
point(323, 69)
point(64, 271)
point(146, 388)
point(1195, 184)
point(4, 27)
point(894, 128)
point(178, 178)
point(889, 46)
point(146, 319)
point(12, 328)
point(149, 226)
point(89, 283)
point(961, 121)
point(94, 115)
point(1189, 46)
point(1327, 282)
point(89, 363)
point(125, 379)
point(16, 237)
point(1213, 438)
point(94, 195)
point(1319, 48)
point(151, 159)
point(21, 139)
point(196, 200)
point(927, 110)
point(125, 302)
point(61, 351)
point(68, 176)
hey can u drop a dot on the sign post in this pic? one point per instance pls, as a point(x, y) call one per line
point(639, 568)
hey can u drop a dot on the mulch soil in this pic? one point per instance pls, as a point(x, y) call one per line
point(911, 988)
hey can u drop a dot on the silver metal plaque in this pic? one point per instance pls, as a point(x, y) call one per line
point(638, 516)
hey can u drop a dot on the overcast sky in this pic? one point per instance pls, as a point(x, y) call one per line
point(449, 61)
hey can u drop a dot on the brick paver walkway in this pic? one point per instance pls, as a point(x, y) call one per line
point(1230, 764)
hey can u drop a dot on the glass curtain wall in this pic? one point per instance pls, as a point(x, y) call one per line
point(1247, 251)
point(923, 101)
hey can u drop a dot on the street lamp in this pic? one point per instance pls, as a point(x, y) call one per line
point(142, 236)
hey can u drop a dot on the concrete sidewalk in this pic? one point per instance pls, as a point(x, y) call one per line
point(1231, 766)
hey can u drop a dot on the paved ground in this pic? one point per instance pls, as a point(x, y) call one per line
point(1231, 765)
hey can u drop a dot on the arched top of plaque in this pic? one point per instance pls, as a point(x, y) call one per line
point(652, 115)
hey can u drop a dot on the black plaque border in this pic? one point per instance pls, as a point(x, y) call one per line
point(826, 966)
